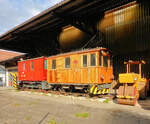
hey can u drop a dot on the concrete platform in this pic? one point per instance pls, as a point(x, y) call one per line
point(20, 107)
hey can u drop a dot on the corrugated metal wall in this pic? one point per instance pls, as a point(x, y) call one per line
point(127, 33)
point(127, 29)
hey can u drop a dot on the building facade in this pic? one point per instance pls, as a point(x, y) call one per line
point(2, 76)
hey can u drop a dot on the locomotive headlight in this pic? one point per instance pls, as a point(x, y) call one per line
point(135, 79)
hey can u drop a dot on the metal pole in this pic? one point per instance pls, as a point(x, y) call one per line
point(140, 71)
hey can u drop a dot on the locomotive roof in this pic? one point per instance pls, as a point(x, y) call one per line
point(79, 52)
point(33, 58)
point(70, 53)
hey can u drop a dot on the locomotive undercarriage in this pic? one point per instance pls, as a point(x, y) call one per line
point(91, 89)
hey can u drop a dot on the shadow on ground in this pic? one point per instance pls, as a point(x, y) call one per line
point(145, 104)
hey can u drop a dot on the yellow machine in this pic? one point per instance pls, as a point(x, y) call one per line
point(132, 85)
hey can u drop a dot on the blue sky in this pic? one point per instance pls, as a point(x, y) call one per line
point(15, 12)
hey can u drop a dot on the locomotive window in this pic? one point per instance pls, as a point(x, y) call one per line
point(105, 61)
point(24, 66)
point(45, 64)
point(67, 62)
point(93, 60)
point(84, 60)
point(100, 60)
point(54, 64)
point(32, 65)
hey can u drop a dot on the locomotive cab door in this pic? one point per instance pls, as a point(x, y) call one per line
point(76, 68)
point(52, 71)
point(84, 68)
point(93, 69)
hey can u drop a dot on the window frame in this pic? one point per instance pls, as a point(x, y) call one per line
point(24, 66)
point(66, 62)
point(107, 61)
point(45, 64)
point(53, 67)
point(91, 59)
point(100, 60)
point(32, 65)
point(83, 60)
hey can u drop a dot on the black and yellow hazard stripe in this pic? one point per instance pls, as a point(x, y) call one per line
point(92, 89)
point(95, 91)
point(14, 79)
point(103, 91)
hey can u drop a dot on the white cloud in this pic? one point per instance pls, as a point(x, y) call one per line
point(15, 12)
point(35, 11)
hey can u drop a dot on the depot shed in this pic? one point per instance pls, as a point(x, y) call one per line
point(9, 60)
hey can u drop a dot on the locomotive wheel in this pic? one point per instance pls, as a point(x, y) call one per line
point(91, 95)
point(53, 87)
point(131, 102)
point(85, 90)
point(61, 89)
point(71, 89)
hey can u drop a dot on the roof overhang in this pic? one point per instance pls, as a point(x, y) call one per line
point(53, 18)
point(67, 12)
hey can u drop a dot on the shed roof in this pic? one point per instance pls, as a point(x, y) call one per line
point(67, 12)
point(8, 55)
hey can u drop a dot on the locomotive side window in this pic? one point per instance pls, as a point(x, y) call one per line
point(32, 65)
point(93, 60)
point(67, 62)
point(100, 60)
point(105, 61)
point(45, 64)
point(84, 60)
point(24, 66)
point(54, 64)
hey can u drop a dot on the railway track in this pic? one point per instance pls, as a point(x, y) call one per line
point(145, 104)
point(75, 93)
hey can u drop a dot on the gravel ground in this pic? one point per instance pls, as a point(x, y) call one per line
point(22, 107)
